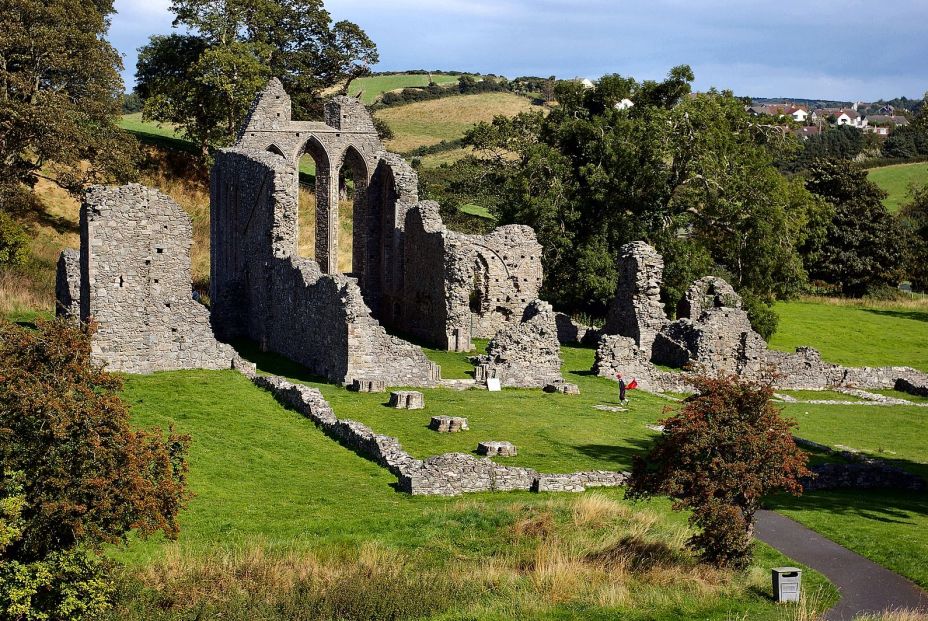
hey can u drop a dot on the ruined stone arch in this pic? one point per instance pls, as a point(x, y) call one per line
point(273, 148)
point(326, 243)
point(361, 228)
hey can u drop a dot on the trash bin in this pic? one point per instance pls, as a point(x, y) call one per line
point(786, 583)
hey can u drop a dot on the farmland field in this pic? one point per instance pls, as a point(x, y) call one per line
point(427, 123)
point(376, 85)
point(896, 180)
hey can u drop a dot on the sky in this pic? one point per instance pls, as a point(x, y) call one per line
point(848, 50)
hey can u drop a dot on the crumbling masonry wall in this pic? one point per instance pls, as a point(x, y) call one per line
point(458, 287)
point(636, 311)
point(261, 289)
point(135, 284)
point(712, 335)
point(526, 354)
point(68, 284)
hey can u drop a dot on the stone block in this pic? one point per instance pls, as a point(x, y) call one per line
point(448, 424)
point(364, 385)
point(501, 449)
point(407, 400)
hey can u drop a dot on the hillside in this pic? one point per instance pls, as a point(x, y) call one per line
point(897, 181)
point(373, 87)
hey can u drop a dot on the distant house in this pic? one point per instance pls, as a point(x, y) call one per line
point(797, 113)
point(883, 124)
point(625, 104)
point(584, 82)
point(807, 132)
point(842, 116)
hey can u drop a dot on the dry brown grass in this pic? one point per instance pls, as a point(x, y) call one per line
point(52, 226)
point(429, 122)
point(587, 551)
point(912, 302)
point(896, 615)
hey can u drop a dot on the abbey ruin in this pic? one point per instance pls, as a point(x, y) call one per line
point(411, 279)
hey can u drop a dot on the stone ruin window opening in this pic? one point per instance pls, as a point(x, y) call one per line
point(480, 290)
point(352, 214)
point(312, 200)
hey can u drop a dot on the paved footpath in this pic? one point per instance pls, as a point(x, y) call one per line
point(864, 585)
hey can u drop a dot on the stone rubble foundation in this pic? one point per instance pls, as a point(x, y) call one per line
point(450, 474)
point(407, 400)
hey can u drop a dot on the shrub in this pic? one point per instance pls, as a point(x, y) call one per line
point(14, 243)
point(75, 474)
point(763, 318)
point(719, 456)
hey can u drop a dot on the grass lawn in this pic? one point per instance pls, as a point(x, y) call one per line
point(160, 134)
point(376, 85)
point(429, 122)
point(855, 335)
point(896, 181)
point(265, 479)
point(889, 527)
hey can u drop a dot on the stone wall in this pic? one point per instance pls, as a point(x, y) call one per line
point(712, 335)
point(526, 354)
point(135, 284)
point(450, 474)
point(637, 311)
point(458, 287)
point(68, 284)
point(261, 290)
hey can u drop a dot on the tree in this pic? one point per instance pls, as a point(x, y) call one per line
point(720, 456)
point(863, 247)
point(914, 219)
point(205, 80)
point(74, 474)
point(60, 97)
point(691, 174)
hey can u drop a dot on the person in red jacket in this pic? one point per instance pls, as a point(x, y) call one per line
point(623, 387)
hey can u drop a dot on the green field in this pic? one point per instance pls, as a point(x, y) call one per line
point(855, 335)
point(427, 123)
point(897, 180)
point(376, 85)
point(269, 486)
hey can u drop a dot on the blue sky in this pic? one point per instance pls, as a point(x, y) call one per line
point(847, 50)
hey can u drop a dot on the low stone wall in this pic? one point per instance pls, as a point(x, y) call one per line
point(862, 476)
point(449, 474)
point(863, 473)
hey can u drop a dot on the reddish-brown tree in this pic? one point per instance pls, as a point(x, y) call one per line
point(719, 456)
point(87, 476)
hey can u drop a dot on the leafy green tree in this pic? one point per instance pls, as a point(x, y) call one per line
point(691, 174)
point(74, 475)
point(205, 80)
point(863, 247)
point(719, 457)
point(61, 97)
point(14, 243)
point(914, 219)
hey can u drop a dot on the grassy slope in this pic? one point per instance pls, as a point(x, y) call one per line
point(855, 335)
point(374, 86)
point(895, 180)
point(429, 122)
point(263, 477)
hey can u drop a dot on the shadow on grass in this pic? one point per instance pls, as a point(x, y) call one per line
point(274, 363)
point(887, 506)
point(633, 447)
point(159, 140)
point(899, 314)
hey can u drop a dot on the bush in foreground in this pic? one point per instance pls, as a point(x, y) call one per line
point(74, 475)
point(719, 457)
